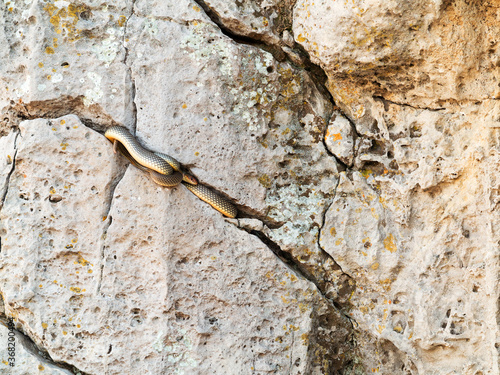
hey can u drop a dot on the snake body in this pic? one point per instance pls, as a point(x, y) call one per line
point(137, 152)
point(164, 169)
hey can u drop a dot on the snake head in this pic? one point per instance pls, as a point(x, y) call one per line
point(190, 179)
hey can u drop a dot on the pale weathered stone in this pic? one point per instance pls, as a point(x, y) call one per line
point(262, 20)
point(25, 362)
point(157, 275)
point(65, 52)
point(406, 52)
point(109, 273)
point(339, 139)
point(413, 222)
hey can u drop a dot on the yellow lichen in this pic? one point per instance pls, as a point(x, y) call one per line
point(265, 181)
point(390, 243)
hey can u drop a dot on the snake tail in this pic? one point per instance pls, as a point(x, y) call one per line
point(212, 198)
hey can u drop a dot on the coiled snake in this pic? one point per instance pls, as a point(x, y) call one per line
point(164, 169)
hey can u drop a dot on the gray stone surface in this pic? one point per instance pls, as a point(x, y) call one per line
point(413, 222)
point(26, 360)
point(385, 264)
point(339, 139)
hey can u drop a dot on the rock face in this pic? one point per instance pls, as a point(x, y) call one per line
point(383, 263)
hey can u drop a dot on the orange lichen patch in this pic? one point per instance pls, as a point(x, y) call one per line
point(62, 121)
point(82, 261)
point(44, 325)
point(397, 328)
point(104, 218)
point(366, 173)
point(390, 243)
point(337, 137)
point(196, 8)
point(184, 106)
point(65, 18)
point(75, 289)
point(265, 181)
point(300, 38)
point(380, 328)
point(374, 266)
point(41, 368)
point(305, 338)
point(40, 64)
point(49, 50)
point(121, 21)
point(386, 284)
point(65, 333)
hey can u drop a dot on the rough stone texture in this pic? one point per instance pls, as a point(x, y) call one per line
point(414, 221)
point(389, 266)
point(26, 362)
point(339, 139)
point(132, 286)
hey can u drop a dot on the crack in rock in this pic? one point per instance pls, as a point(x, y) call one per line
point(386, 103)
point(40, 353)
point(5, 187)
point(319, 78)
point(295, 266)
point(130, 77)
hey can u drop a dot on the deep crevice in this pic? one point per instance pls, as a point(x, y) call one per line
point(130, 76)
point(294, 266)
point(7, 179)
point(319, 78)
point(317, 74)
point(39, 353)
point(386, 103)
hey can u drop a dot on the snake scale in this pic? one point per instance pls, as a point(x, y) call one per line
point(164, 170)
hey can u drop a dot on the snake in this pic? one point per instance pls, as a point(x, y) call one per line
point(164, 170)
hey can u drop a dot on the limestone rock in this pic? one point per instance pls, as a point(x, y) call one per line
point(60, 51)
point(25, 362)
point(412, 221)
point(388, 267)
point(134, 277)
point(339, 139)
point(406, 52)
point(262, 20)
